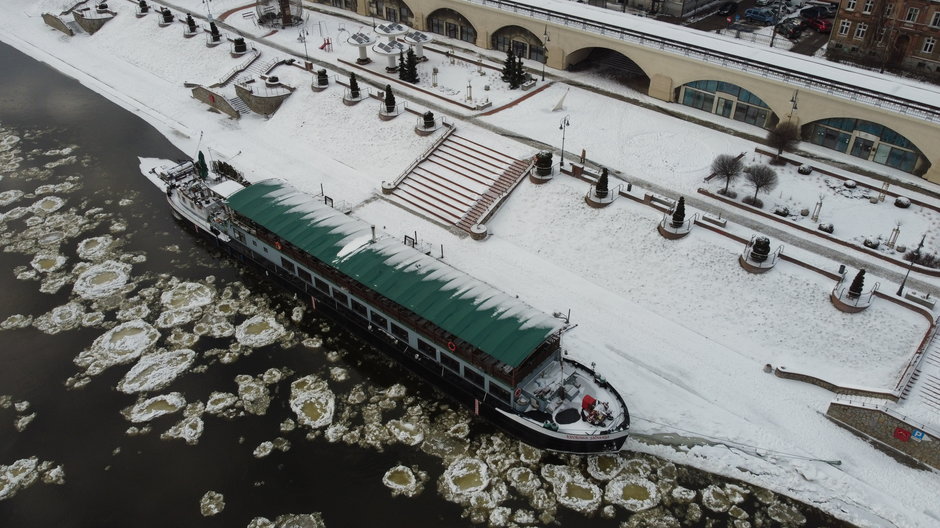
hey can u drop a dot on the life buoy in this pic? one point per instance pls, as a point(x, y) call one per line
point(518, 392)
point(277, 245)
point(451, 346)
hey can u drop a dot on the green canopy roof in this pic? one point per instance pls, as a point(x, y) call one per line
point(489, 319)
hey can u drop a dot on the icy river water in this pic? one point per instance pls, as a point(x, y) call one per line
point(147, 381)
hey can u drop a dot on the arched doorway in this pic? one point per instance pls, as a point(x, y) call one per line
point(727, 100)
point(393, 11)
point(452, 24)
point(610, 65)
point(523, 43)
point(869, 141)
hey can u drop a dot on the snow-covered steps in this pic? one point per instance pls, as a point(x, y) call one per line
point(460, 182)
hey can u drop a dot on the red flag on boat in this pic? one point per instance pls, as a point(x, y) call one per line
point(588, 402)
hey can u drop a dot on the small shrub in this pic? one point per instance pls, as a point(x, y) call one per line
point(826, 228)
point(754, 202)
point(781, 210)
point(902, 201)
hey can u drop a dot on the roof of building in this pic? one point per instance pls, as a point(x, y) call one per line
point(496, 323)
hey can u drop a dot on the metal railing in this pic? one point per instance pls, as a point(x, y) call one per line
point(789, 76)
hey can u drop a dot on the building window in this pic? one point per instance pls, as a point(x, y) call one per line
point(498, 392)
point(450, 363)
point(844, 27)
point(912, 15)
point(929, 44)
point(304, 275)
point(935, 20)
point(321, 285)
point(341, 297)
point(288, 265)
point(427, 349)
point(850, 5)
point(881, 34)
point(379, 320)
point(860, 30)
point(359, 308)
point(869, 5)
point(473, 376)
point(399, 332)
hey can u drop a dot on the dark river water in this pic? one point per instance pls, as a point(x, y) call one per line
point(69, 134)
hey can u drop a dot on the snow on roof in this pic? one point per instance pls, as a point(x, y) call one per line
point(491, 320)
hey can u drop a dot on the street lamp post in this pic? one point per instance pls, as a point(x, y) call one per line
point(563, 127)
point(303, 38)
point(545, 50)
point(914, 257)
point(208, 11)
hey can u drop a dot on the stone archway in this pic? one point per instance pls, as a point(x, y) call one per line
point(727, 100)
point(867, 140)
point(393, 11)
point(611, 65)
point(452, 24)
point(523, 43)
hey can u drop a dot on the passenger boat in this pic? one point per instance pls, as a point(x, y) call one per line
point(490, 351)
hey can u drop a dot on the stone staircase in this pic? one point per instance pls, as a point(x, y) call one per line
point(256, 69)
point(460, 182)
point(924, 384)
point(239, 105)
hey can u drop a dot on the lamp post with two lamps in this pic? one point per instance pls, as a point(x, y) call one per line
point(545, 50)
point(563, 127)
point(792, 105)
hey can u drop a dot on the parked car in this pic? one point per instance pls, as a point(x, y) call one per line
point(762, 3)
point(791, 28)
point(761, 14)
point(821, 25)
point(810, 13)
point(728, 8)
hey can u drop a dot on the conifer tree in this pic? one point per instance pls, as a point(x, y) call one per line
point(411, 65)
point(402, 70)
point(201, 166)
point(509, 66)
point(353, 86)
point(389, 99)
point(518, 73)
point(600, 189)
point(678, 215)
point(855, 290)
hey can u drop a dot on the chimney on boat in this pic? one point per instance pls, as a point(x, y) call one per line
point(373, 233)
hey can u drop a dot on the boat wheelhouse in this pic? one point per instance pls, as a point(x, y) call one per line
point(481, 346)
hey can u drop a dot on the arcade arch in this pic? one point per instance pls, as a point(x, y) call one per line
point(867, 140)
point(609, 64)
point(727, 100)
point(394, 11)
point(450, 23)
point(523, 43)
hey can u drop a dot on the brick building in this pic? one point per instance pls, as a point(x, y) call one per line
point(893, 35)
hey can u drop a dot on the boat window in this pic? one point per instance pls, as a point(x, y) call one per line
point(340, 297)
point(379, 320)
point(288, 265)
point(450, 363)
point(399, 332)
point(359, 308)
point(304, 275)
point(498, 392)
point(475, 377)
point(427, 349)
point(321, 285)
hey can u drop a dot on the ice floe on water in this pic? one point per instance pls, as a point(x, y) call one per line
point(25, 472)
point(156, 370)
point(101, 280)
point(189, 429)
point(211, 503)
point(259, 331)
point(150, 408)
point(220, 402)
point(61, 318)
point(95, 248)
point(265, 448)
point(187, 295)
point(253, 394)
point(633, 493)
point(291, 520)
point(312, 401)
point(47, 205)
point(122, 344)
point(22, 422)
point(404, 480)
point(464, 478)
point(48, 262)
point(8, 197)
point(572, 489)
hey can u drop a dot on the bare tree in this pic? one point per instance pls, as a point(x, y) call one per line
point(727, 167)
point(784, 136)
point(761, 177)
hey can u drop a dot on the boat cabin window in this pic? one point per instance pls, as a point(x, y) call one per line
point(427, 349)
point(304, 275)
point(379, 320)
point(340, 297)
point(288, 265)
point(473, 376)
point(359, 308)
point(239, 236)
point(498, 392)
point(321, 285)
point(399, 332)
point(450, 363)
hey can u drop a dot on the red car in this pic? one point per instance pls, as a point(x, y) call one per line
point(821, 25)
